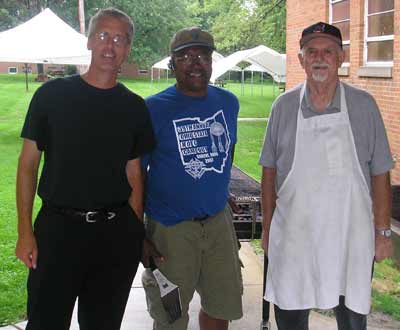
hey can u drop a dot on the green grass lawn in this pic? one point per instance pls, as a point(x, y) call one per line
point(247, 151)
point(14, 101)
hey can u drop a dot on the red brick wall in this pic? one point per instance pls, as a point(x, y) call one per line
point(5, 65)
point(385, 90)
point(127, 70)
point(132, 70)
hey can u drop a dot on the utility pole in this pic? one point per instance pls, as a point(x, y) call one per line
point(81, 15)
point(81, 18)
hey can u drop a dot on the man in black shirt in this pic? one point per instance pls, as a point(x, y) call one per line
point(88, 236)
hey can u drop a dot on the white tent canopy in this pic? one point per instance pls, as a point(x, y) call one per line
point(255, 68)
point(45, 38)
point(271, 61)
point(163, 64)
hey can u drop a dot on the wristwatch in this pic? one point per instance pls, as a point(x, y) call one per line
point(384, 232)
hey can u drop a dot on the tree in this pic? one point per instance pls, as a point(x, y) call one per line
point(155, 23)
point(242, 24)
point(14, 12)
point(271, 21)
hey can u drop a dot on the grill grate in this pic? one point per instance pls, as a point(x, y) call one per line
point(246, 192)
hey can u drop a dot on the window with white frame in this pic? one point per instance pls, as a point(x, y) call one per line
point(12, 70)
point(379, 30)
point(339, 16)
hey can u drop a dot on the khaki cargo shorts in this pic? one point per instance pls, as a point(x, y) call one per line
point(201, 256)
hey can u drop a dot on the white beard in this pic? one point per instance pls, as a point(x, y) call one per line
point(319, 77)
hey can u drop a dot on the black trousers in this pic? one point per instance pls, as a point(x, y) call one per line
point(94, 262)
point(298, 319)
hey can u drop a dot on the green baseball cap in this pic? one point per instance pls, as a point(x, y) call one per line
point(192, 36)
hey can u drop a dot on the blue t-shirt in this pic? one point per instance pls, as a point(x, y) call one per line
point(188, 172)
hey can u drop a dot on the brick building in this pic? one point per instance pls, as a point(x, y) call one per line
point(127, 69)
point(371, 35)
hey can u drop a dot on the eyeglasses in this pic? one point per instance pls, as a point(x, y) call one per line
point(117, 40)
point(188, 59)
point(325, 52)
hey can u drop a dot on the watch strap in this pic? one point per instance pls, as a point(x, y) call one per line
point(384, 232)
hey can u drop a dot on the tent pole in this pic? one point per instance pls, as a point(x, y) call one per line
point(262, 83)
point(167, 75)
point(242, 89)
point(252, 74)
point(273, 86)
point(152, 74)
point(26, 76)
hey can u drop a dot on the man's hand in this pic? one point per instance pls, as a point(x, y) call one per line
point(232, 203)
point(265, 241)
point(26, 250)
point(149, 250)
point(382, 208)
point(268, 203)
point(383, 248)
point(28, 165)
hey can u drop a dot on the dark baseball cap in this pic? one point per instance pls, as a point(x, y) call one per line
point(192, 36)
point(321, 30)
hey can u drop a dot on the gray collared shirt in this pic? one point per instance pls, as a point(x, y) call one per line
point(366, 123)
point(308, 109)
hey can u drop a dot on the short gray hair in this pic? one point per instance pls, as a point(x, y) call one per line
point(114, 13)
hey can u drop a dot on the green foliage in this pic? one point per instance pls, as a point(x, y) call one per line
point(242, 24)
point(256, 245)
point(270, 22)
point(387, 303)
point(155, 22)
point(386, 288)
point(14, 12)
point(70, 70)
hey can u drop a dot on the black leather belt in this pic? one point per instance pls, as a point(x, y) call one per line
point(91, 216)
point(200, 218)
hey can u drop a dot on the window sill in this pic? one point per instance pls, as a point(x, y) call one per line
point(375, 72)
point(343, 71)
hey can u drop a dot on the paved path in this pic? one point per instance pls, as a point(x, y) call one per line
point(253, 119)
point(137, 318)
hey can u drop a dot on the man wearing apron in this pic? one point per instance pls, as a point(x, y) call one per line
point(325, 191)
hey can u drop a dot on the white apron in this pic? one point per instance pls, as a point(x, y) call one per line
point(322, 234)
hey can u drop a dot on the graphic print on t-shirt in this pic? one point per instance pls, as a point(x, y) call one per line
point(203, 145)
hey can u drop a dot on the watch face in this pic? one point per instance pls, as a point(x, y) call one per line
point(384, 232)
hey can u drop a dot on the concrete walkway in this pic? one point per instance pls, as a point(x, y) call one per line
point(137, 318)
point(253, 119)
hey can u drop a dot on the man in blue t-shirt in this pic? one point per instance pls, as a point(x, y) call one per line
point(188, 219)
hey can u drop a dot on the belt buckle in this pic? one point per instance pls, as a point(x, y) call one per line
point(88, 216)
point(111, 215)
